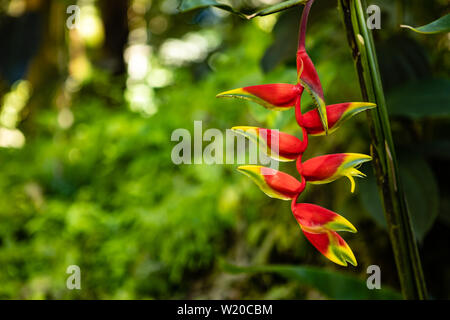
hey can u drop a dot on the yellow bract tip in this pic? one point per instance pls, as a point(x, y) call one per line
point(369, 105)
point(352, 183)
point(250, 168)
point(244, 128)
point(231, 93)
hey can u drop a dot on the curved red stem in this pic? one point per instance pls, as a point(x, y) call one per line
point(298, 112)
point(299, 166)
point(302, 188)
point(304, 140)
point(299, 118)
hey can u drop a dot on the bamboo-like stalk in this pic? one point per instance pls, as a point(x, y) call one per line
point(385, 162)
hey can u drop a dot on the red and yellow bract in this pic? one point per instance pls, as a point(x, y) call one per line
point(332, 246)
point(275, 184)
point(336, 115)
point(319, 225)
point(278, 96)
point(314, 218)
point(330, 167)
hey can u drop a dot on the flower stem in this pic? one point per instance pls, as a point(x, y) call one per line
point(385, 163)
point(303, 24)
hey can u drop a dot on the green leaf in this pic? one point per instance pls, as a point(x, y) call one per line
point(421, 191)
point(440, 25)
point(402, 59)
point(187, 5)
point(370, 198)
point(334, 285)
point(284, 46)
point(278, 7)
point(423, 98)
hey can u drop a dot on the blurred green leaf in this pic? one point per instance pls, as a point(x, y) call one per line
point(278, 7)
point(284, 44)
point(437, 148)
point(422, 194)
point(402, 60)
point(423, 98)
point(421, 189)
point(187, 5)
point(370, 198)
point(335, 285)
point(440, 25)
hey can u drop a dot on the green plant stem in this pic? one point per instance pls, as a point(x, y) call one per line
point(385, 162)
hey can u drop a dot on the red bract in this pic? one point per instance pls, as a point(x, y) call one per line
point(330, 167)
point(275, 184)
point(314, 218)
point(318, 224)
point(336, 115)
point(278, 145)
point(307, 73)
point(332, 246)
point(278, 96)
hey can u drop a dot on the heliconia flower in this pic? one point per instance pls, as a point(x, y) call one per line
point(319, 225)
point(277, 145)
point(332, 246)
point(307, 73)
point(275, 184)
point(327, 168)
point(316, 219)
point(336, 115)
point(277, 96)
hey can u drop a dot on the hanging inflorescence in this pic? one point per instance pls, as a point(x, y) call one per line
point(318, 224)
